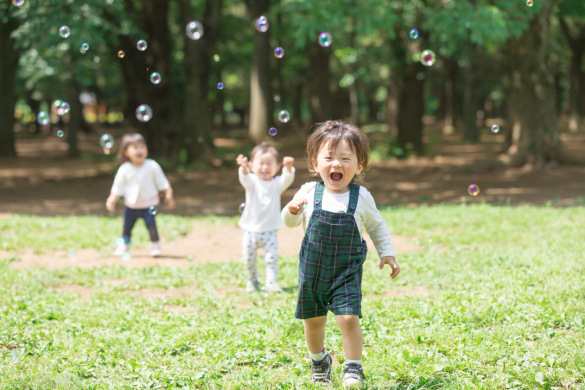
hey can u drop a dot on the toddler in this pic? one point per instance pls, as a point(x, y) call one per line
point(260, 218)
point(332, 212)
point(139, 180)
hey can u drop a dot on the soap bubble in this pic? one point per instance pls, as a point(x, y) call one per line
point(529, 3)
point(219, 85)
point(57, 103)
point(64, 31)
point(272, 131)
point(262, 24)
point(59, 133)
point(495, 128)
point(141, 45)
point(329, 125)
point(107, 141)
point(428, 57)
point(241, 207)
point(194, 30)
point(126, 256)
point(414, 33)
point(85, 46)
point(43, 118)
point(144, 113)
point(283, 116)
point(121, 54)
point(325, 39)
point(279, 52)
point(17, 3)
point(63, 108)
point(473, 190)
point(216, 58)
point(155, 78)
point(14, 356)
point(304, 206)
point(106, 151)
point(152, 210)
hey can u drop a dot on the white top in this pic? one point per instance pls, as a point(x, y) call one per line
point(140, 185)
point(262, 211)
point(365, 213)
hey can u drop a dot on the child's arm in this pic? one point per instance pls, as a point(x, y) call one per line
point(245, 179)
point(243, 162)
point(111, 202)
point(294, 212)
point(117, 189)
point(169, 200)
point(288, 173)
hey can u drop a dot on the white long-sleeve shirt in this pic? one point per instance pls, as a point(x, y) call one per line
point(262, 211)
point(140, 186)
point(366, 213)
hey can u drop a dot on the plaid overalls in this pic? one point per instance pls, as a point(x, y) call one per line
point(331, 258)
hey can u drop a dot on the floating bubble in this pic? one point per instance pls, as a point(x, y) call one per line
point(96, 59)
point(428, 57)
point(329, 125)
point(284, 116)
point(241, 207)
point(81, 50)
point(272, 131)
point(219, 85)
point(107, 141)
point(276, 98)
point(126, 256)
point(121, 54)
point(43, 118)
point(85, 46)
point(63, 108)
point(495, 128)
point(473, 190)
point(14, 356)
point(262, 24)
point(155, 78)
point(152, 210)
point(529, 3)
point(144, 113)
point(64, 31)
point(216, 58)
point(194, 30)
point(120, 241)
point(141, 45)
point(17, 3)
point(325, 39)
point(414, 33)
point(279, 52)
point(59, 133)
point(57, 103)
point(106, 151)
point(304, 206)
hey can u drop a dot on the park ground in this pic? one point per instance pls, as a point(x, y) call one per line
point(489, 296)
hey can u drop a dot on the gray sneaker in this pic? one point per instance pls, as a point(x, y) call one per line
point(252, 285)
point(353, 376)
point(273, 287)
point(322, 370)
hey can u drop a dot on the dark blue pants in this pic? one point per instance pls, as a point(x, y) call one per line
point(130, 217)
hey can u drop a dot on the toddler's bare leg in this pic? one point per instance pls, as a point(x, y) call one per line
point(351, 333)
point(315, 333)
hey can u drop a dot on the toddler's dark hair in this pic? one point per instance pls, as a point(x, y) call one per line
point(332, 133)
point(265, 147)
point(127, 140)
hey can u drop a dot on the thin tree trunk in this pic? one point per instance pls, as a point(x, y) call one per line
point(392, 109)
point(319, 89)
point(9, 57)
point(470, 106)
point(75, 113)
point(449, 122)
point(411, 103)
point(576, 75)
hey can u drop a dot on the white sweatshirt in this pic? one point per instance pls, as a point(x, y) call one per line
point(366, 213)
point(262, 211)
point(141, 185)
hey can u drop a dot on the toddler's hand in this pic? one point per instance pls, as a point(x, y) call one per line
point(288, 162)
point(170, 201)
point(111, 203)
point(391, 261)
point(296, 205)
point(242, 161)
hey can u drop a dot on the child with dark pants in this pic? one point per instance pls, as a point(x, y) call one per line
point(139, 180)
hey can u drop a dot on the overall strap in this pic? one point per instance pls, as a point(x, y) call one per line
point(318, 199)
point(354, 194)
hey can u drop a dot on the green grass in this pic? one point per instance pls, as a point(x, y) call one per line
point(504, 308)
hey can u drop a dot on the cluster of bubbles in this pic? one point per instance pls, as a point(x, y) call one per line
point(64, 31)
point(141, 45)
point(495, 128)
point(279, 52)
point(272, 131)
point(428, 57)
point(107, 142)
point(325, 39)
point(144, 113)
point(155, 78)
point(63, 108)
point(194, 30)
point(262, 24)
point(152, 210)
point(473, 190)
point(414, 33)
point(284, 116)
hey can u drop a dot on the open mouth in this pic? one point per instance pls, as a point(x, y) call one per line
point(336, 177)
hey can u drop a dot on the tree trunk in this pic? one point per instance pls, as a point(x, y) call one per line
point(261, 96)
point(319, 88)
point(576, 76)
point(470, 106)
point(392, 109)
point(75, 114)
point(8, 67)
point(450, 80)
point(411, 103)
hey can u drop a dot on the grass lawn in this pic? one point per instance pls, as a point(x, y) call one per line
point(494, 300)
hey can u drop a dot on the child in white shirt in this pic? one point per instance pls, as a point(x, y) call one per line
point(332, 212)
point(139, 180)
point(261, 216)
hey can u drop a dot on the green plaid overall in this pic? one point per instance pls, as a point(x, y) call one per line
point(331, 258)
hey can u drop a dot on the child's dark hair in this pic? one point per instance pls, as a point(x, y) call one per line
point(264, 147)
point(127, 140)
point(332, 133)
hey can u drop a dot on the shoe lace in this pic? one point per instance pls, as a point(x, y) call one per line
point(353, 370)
point(320, 369)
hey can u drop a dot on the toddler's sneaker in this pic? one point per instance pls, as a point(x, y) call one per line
point(121, 249)
point(273, 287)
point(155, 250)
point(353, 376)
point(252, 285)
point(322, 370)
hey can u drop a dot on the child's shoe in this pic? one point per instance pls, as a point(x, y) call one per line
point(155, 250)
point(322, 370)
point(353, 376)
point(252, 285)
point(273, 287)
point(121, 249)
